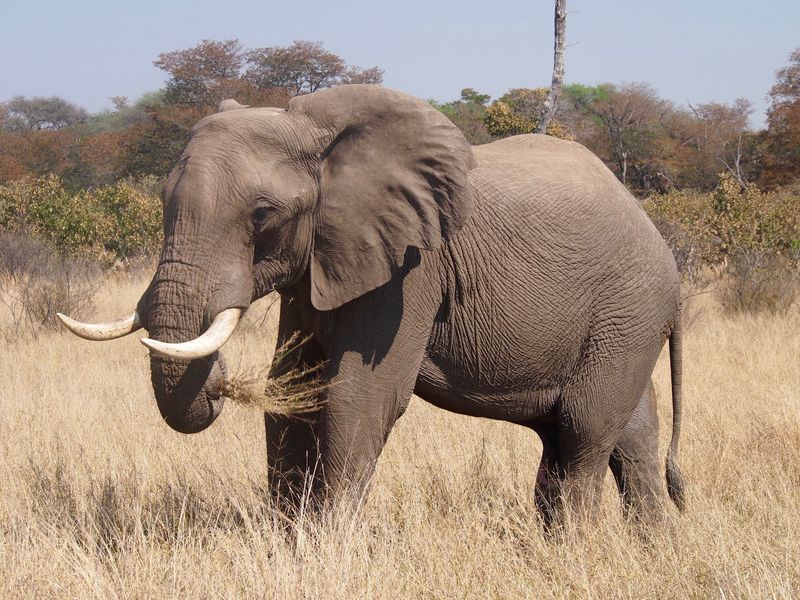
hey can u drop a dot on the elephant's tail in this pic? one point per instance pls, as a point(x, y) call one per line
point(676, 485)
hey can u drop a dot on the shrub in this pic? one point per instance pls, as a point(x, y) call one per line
point(134, 217)
point(759, 282)
point(36, 282)
point(753, 236)
point(109, 223)
point(748, 220)
point(501, 121)
point(684, 220)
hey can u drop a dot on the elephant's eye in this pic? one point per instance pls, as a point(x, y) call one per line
point(259, 215)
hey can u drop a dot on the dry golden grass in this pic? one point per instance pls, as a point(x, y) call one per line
point(99, 498)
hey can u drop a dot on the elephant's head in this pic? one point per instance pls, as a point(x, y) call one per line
point(338, 185)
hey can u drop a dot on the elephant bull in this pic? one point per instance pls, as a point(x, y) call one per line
point(518, 280)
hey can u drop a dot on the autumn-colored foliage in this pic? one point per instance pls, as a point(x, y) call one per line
point(303, 67)
point(212, 71)
point(781, 141)
point(518, 111)
point(502, 121)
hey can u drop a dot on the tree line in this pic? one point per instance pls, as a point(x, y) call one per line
point(651, 144)
point(51, 136)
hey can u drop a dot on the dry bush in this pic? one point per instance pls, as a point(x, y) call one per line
point(757, 283)
point(743, 240)
point(693, 250)
point(36, 282)
point(100, 499)
point(296, 393)
point(248, 383)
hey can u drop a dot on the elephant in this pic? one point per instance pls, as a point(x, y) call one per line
point(517, 280)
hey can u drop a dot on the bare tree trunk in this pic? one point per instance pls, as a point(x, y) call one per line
point(624, 168)
point(549, 106)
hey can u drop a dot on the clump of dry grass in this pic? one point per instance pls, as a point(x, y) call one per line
point(295, 393)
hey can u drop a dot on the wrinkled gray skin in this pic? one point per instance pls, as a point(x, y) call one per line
point(517, 281)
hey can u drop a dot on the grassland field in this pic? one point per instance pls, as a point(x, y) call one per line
point(100, 499)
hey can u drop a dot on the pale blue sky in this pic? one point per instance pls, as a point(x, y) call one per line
point(690, 51)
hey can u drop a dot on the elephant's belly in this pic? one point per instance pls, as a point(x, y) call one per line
point(505, 399)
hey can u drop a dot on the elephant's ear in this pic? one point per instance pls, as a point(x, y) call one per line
point(393, 175)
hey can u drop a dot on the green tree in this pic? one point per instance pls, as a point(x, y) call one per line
point(40, 113)
point(469, 115)
point(125, 115)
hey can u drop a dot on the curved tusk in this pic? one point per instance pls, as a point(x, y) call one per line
point(205, 345)
point(99, 332)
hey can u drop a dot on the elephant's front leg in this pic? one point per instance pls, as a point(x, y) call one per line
point(373, 369)
point(335, 451)
point(293, 441)
point(353, 432)
point(372, 349)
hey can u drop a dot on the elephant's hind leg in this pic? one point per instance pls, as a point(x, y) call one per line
point(583, 464)
point(547, 492)
point(570, 475)
point(634, 463)
point(595, 408)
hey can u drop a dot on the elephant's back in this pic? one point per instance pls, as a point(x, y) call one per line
point(551, 172)
point(543, 157)
point(546, 186)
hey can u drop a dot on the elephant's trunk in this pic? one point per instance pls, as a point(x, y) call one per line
point(187, 391)
point(206, 268)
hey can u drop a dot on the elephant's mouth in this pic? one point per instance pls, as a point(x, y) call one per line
point(188, 393)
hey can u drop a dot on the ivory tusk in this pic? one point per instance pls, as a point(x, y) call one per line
point(99, 332)
point(205, 345)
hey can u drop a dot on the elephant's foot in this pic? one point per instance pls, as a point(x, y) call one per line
point(548, 496)
point(640, 488)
